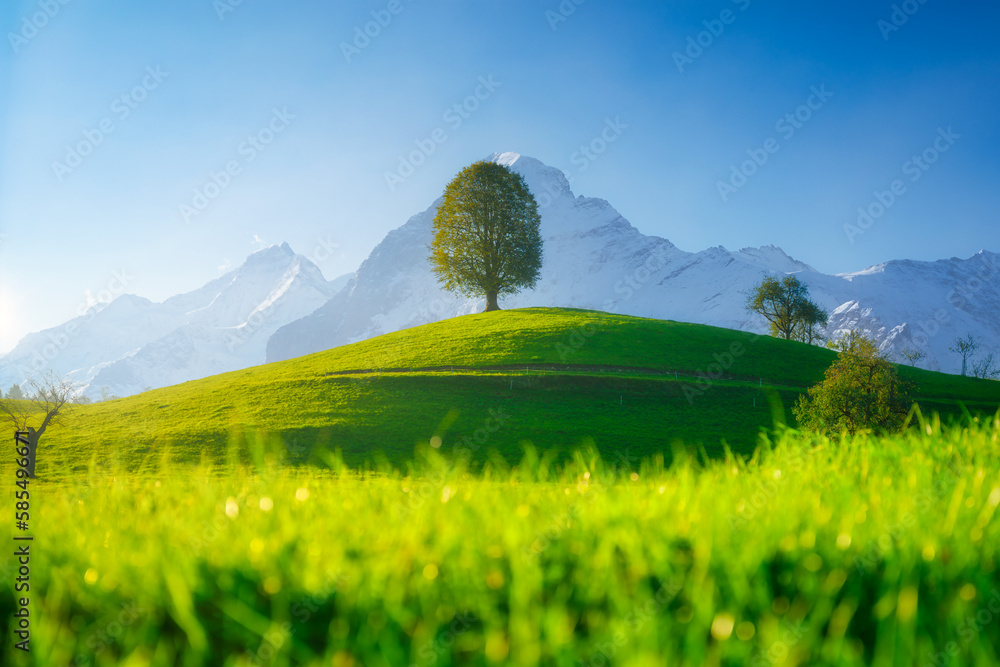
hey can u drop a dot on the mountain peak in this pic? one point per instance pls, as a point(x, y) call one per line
point(281, 253)
point(506, 159)
point(775, 258)
point(546, 183)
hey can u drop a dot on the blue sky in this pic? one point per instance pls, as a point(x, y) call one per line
point(165, 96)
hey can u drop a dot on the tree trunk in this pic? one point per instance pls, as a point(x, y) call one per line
point(491, 302)
point(33, 436)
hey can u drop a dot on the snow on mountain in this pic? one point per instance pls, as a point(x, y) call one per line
point(593, 258)
point(277, 305)
point(132, 343)
point(917, 305)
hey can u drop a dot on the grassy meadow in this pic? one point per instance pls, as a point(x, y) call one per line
point(556, 378)
point(539, 486)
point(815, 551)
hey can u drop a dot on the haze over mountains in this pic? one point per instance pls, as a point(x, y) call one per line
point(277, 305)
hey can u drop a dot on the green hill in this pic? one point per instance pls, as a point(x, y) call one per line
point(554, 377)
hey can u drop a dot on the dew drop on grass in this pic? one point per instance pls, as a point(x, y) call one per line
point(266, 503)
point(745, 630)
point(722, 626)
point(232, 508)
point(90, 576)
point(906, 605)
point(302, 494)
point(494, 579)
point(272, 585)
point(430, 571)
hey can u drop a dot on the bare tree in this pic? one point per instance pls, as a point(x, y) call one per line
point(986, 367)
point(913, 356)
point(46, 398)
point(966, 347)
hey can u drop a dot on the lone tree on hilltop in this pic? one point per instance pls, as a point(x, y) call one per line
point(785, 304)
point(486, 234)
point(46, 398)
point(861, 390)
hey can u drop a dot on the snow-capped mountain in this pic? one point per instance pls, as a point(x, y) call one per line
point(278, 305)
point(133, 343)
point(917, 305)
point(593, 258)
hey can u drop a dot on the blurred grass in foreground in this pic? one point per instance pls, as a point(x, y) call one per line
point(816, 551)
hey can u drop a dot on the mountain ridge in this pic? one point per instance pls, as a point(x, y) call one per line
point(278, 305)
point(640, 275)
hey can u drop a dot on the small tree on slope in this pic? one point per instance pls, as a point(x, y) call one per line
point(785, 304)
point(861, 391)
point(966, 348)
point(46, 398)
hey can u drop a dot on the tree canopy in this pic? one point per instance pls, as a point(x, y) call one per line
point(487, 241)
point(786, 306)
